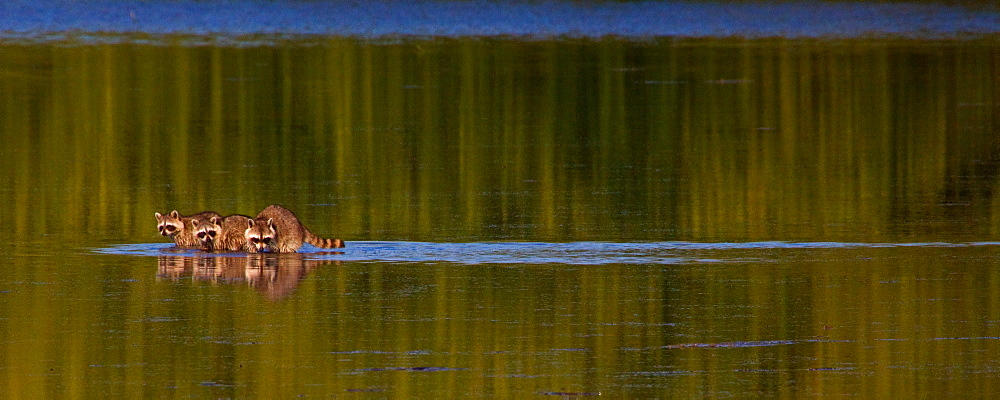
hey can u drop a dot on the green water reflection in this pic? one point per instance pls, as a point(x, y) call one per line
point(492, 139)
point(874, 322)
point(479, 140)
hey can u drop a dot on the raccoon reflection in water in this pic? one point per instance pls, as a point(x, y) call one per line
point(275, 276)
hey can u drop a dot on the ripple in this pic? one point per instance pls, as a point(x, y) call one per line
point(575, 253)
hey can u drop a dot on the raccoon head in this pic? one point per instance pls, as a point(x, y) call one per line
point(206, 231)
point(261, 236)
point(169, 225)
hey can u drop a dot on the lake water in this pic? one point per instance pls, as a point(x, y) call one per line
point(575, 216)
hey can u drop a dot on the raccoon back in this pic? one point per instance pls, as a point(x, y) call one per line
point(289, 232)
point(232, 237)
point(292, 223)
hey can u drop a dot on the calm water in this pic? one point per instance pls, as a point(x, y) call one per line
point(555, 218)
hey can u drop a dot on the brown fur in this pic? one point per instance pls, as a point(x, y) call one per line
point(277, 230)
point(179, 228)
point(224, 234)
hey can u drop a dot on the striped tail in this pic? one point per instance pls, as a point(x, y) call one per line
point(323, 242)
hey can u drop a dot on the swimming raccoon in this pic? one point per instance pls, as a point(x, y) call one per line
point(223, 234)
point(178, 227)
point(206, 231)
point(278, 230)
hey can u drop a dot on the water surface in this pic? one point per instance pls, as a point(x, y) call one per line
point(632, 217)
point(775, 318)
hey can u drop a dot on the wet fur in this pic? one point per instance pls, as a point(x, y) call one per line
point(276, 229)
point(229, 233)
point(180, 228)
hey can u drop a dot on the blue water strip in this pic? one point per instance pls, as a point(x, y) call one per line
point(118, 20)
point(575, 253)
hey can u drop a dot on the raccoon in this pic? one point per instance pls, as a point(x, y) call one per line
point(206, 231)
point(179, 228)
point(278, 230)
point(223, 234)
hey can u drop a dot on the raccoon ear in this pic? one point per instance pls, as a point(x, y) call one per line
point(249, 223)
point(215, 220)
point(270, 223)
point(175, 215)
point(194, 223)
point(158, 216)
